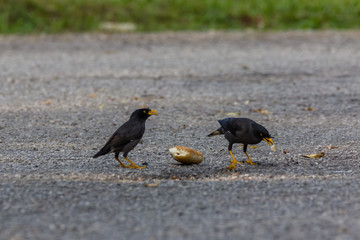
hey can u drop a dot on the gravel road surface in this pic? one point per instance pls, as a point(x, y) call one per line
point(62, 96)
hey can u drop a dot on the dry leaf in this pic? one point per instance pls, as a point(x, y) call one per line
point(101, 106)
point(92, 95)
point(235, 174)
point(316, 155)
point(332, 147)
point(232, 114)
point(118, 26)
point(47, 102)
point(152, 184)
point(285, 151)
point(262, 111)
point(310, 109)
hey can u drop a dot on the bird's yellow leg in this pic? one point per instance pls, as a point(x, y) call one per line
point(249, 160)
point(233, 161)
point(133, 165)
point(121, 164)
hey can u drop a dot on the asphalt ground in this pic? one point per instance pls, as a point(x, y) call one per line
point(62, 96)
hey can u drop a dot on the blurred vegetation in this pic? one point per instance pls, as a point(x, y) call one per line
point(53, 16)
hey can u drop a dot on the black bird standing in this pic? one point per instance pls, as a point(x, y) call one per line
point(127, 136)
point(242, 130)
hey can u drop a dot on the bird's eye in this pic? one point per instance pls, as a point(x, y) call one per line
point(261, 134)
point(144, 111)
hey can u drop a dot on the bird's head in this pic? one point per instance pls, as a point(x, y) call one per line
point(263, 134)
point(143, 113)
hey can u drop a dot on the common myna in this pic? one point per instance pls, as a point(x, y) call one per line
point(127, 136)
point(242, 130)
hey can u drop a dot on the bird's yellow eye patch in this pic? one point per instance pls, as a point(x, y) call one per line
point(144, 111)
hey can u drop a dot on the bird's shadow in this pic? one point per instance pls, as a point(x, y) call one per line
point(265, 164)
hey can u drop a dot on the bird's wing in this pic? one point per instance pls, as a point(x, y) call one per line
point(129, 131)
point(238, 126)
point(230, 124)
point(225, 123)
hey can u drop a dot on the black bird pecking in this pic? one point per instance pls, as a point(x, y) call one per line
point(242, 130)
point(127, 136)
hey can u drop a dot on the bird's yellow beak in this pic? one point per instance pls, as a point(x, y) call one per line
point(268, 141)
point(153, 112)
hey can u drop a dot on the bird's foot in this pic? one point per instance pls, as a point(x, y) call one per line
point(136, 166)
point(250, 162)
point(124, 166)
point(120, 163)
point(133, 165)
point(232, 165)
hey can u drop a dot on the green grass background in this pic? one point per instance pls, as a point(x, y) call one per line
point(53, 16)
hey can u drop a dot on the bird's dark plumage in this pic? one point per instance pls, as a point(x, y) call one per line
point(127, 136)
point(242, 130)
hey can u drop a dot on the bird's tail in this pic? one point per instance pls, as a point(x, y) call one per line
point(103, 151)
point(217, 132)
